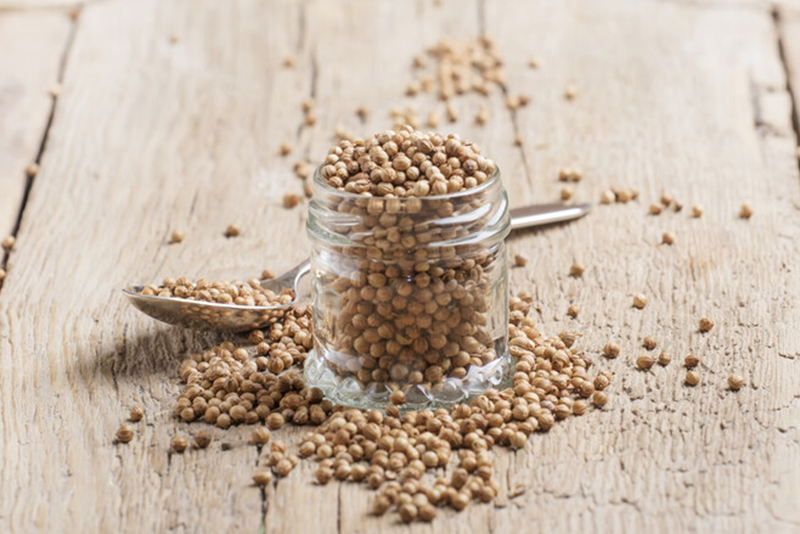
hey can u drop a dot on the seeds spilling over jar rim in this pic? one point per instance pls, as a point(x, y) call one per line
point(406, 163)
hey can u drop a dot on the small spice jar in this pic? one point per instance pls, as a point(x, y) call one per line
point(410, 294)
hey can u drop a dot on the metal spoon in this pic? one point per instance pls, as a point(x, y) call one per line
point(237, 318)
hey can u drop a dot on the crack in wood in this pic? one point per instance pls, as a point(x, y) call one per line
point(777, 23)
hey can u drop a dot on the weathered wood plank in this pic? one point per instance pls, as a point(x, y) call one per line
point(32, 45)
point(678, 96)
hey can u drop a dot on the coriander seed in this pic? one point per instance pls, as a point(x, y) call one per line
point(572, 311)
point(706, 324)
point(520, 260)
point(649, 343)
point(8, 242)
point(566, 193)
point(380, 505)
point(285, 149)
point(599, 399)
point(533, 63)
point(397, 397)
point(136, 414)
point(697, 211)
point(233, 230)
point(644, 362)
point(289, 61)
point(179, 444)
point(290, 200)
point(2, 274)
point(275, 421)
point(125, 433)
point(639, 301)
point(611, 350)
point(261, 435)
point(262, 477)
point(655, 209)
point(692, 378)
point(664, 358)
point(427, 512)
point(735, 381)
point(202, 439)
point(570, 92)
point(32, 169)
point(576, 270)
point(746, 211)
point(608, 197)
point(691, 361)
point(668, 238)
point(177, 236)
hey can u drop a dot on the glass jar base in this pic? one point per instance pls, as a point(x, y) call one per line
point(348, 392)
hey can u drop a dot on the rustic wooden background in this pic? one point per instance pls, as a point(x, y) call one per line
point(170, 115)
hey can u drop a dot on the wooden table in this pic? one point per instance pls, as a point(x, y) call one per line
point(171, 114)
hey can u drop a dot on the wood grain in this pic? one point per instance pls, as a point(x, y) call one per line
point(32, 45)
point(152, 135)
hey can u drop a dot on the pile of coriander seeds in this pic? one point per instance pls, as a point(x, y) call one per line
point(413, 309)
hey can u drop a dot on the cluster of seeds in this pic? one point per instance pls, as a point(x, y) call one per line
point(248, 293)
point(623, 196)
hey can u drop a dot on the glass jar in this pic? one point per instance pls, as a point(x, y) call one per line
point(409, 293)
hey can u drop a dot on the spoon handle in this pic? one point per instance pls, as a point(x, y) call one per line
point(540, 214)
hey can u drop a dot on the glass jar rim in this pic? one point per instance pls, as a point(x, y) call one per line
point(490, 182)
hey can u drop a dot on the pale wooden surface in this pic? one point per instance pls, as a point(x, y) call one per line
point(149, 135)
point(31, 47)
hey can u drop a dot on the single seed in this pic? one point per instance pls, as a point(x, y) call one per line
point(233, 230)
point(302, 169)
point(626, 195)
point(174, 37)
point(286, 149)
point(566, 193)
point(261, 435)
point(517, 141)
point(706, 324)
point(275, 420)
point(136, 414)
point(202, 439)
point(483, 115)
point(735, 382)
point(362, 113)
point(668, 238)
point(380, 505)
point(576, 270)
point(32, 169)
point(655, 209)
point(8, 242)
point(55, 90)
point(639, 301)
point(284, 467)
point(746, 211)
point(570, 92)
point(599, 399)
point(179, 444)
point(397, 397)
point(692, 378)
point(645, 362)
point(433, 119)
point(691, 361)
point(534, 63)
point(664, 358)
point(697, 211)
point(310, 119)
point(611, 350)
point(520, 260)
point(608, 197)
point(2, 274)
point(649, 343)
point(290, 200)
point(427, 512)
point(262, 477)
point(666, 199)
point(125, 433)
point(572, 311)
point(408, 512)
point(289, 61)
point(177, 236)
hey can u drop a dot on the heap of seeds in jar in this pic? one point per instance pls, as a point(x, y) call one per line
point(411, 314)
point(248, 293)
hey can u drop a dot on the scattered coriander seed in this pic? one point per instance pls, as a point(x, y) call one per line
point(676, 206)
point(290, 200)
point(179, 444)
point(664, 358)
point(570, 174)
point(380, 505)
point(174, 37)
point(302, 169)
point(408, 512)
point(483, 115)
point(307, 104)
point(202, 439)
point(285, 149)
point(524, 100)
point(570, 92)
point(611, 350)
point(362, 113)
point(55, 90)
point(599, 399)
point(644, 362)
point(289, 61)
point(517, 141)
point(2, 274)
point(233, 230)
point(691, 361)
point(284, 467)
point(32, 169)
point(655, 209)
point(308, 190)
point(649, 343)
point(600, 383)
point(427, 512)
point(176, 236)
point(746, 211)
point(692, 378)
point(275, 421)
point(310, 119)
point(520, 260)
point(572, 311)
point(639, 301)
point(579, 406)
point(433, 119)
point(533, 63)
point(397, 397)
point(668, 238)
point(8, 242)
point(625, 195)
point(697, 211)
point(666, 199)
point(136, 414)
point(262, 477)
point(261, 435)
point(608, 197)
point(566, 193)
point(576, 270)
point(267, 274)
point(125, 433)
point(735, 382)
point(706, 324)
point(452, 114)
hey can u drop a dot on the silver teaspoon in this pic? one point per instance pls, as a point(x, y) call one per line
point(237, 318)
